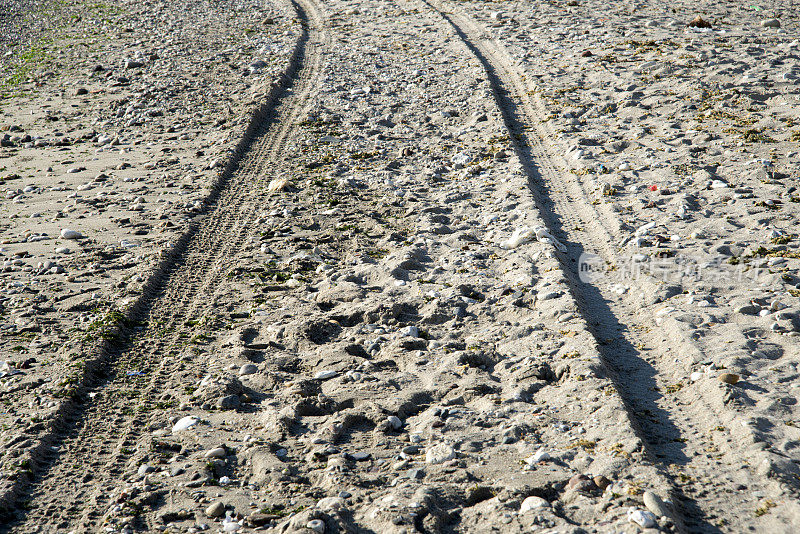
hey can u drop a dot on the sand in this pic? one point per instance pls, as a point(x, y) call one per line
point(396, 267)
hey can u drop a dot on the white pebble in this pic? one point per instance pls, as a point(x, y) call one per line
point(324, 375)
point(439, 454)
point(539, 456)
point(217, 452)
point(67, 233)
point(533, 503)
point(248, 369)
point(642, 518)
point(395, 422)
point(185, 423)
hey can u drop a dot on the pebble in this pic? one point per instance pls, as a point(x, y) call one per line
point(771, 23)
point(439, 454)
point(729, 378)
point(601, 482)
point(325, 375)
point(395, 421)
point(144, 469)
point(230, 525)
point(533, 503)
point(317, 525)
point(185, 423)
point(328, 504)
point(216, 509)
point(642, 518)
point(68, 233)
point(409, 331)
point(655, 504)
point(218, 452)
point(248, 369)
point(699, 22)
point(539, 456)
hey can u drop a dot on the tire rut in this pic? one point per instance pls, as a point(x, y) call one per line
point(91, 438)
point(621, 336)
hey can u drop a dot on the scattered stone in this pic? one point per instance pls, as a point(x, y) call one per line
point(698, 22)
point(642, 518)
point(185, 423)
point(729, 378)
point(655, 504)
point(439, 453)
point(601, 482)
point(325, 375)
point(217, 452)
point(67, 233)
point(216, 509)
point(533, 503)
point(316, 525)
point(248, 369)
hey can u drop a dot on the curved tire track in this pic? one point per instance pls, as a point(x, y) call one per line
point(669, 433)
point(89, 442)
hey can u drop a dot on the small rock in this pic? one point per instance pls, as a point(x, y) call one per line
point(533, 503)
point(218, 452)
point(229, 402)
point(185, 423)
point(771, 23)
point(539, 456)
point(395, 421)
point(216, 509)
point(317, 525)
point(698, 22)
point(248, 369)
point(67, 233)
point(144, 469)
point(641, 517)
point(439, 454)
point(601, 482)
point(654, 503)
point(324, 375)
point(729, 378)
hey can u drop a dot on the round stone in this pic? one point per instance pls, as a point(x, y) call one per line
point(248, 369)
point(216, 509)
point(533, 503)
point(68, 233)
point(218, 452)
point(729, 378)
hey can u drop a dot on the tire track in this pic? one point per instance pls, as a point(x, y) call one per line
point(89, 444)
point(668, 430)
point(678, 429)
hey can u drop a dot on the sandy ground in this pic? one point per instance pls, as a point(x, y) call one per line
point(394, 267)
